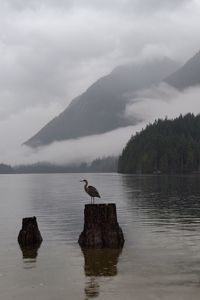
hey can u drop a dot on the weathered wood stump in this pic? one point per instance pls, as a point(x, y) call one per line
point(29, 235)
point(101, 229)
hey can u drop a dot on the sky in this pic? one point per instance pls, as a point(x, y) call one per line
point(53, 50)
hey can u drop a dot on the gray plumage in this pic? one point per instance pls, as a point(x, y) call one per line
point(91, 191)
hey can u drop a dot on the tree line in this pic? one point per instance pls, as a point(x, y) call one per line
point(100, 165)
point(166, 146)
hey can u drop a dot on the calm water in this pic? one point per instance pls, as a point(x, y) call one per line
point(160, 217)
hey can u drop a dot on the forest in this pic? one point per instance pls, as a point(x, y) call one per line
point(167, 146)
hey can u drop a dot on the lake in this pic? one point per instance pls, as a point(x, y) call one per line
point(160, 218)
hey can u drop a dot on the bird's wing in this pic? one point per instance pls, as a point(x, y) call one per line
point(93, 191)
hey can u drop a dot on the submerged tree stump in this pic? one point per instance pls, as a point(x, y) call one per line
point(29, 235)
point(101, 229)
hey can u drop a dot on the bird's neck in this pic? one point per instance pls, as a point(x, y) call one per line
point(86, 184)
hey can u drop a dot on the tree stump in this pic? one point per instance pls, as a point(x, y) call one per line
point(101, 229)
point(29, 235)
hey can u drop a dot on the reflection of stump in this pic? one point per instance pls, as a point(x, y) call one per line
point(101, 229)
point(97, 263)
point(30, 252)
point(101, 262)
point(29, 235)
point(92, 288)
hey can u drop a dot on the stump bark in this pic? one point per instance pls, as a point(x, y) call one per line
point(29, 235)
point(101, 228)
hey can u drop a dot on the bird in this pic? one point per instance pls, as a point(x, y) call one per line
point(91, 191)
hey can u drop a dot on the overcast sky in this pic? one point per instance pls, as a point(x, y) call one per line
point(52, 50)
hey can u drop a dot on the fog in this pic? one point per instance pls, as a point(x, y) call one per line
point(158, 102)
point(163, 101)
point(76, 151)
point(51, 51)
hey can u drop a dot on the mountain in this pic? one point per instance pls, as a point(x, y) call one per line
point(188, 75)
point(101, 107)
point(166, 146)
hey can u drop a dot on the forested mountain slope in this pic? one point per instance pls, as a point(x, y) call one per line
point(166, 146)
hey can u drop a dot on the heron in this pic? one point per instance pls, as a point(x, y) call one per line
point(91, 191)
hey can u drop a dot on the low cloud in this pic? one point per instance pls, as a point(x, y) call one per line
point(15, 129)
point(163, 101)
point(79, 150)
point(53, 50)
point(157, 102)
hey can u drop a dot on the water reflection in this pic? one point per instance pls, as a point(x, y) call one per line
point(29, 255)
point(92, 288)
point(30, 252)
point(165, 196)
point(98, 263)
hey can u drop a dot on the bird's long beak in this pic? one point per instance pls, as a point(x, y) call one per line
point(81, 180)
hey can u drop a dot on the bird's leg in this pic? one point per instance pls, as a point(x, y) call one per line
point(91, 200)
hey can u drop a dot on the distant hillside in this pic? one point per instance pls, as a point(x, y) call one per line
point(100, 165)
point(188, 75)
point(5, 169)
point(166, 146)
point(101, 107)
